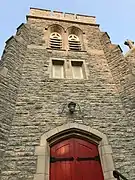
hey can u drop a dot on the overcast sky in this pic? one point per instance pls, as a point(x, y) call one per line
point(117, 17)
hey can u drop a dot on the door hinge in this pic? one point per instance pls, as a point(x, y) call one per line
point(55, 159)
point(96, 158)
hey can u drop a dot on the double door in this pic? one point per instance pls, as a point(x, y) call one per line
point(75, 159)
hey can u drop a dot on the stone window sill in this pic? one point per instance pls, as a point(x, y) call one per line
point(76, 50)
point(56, 49)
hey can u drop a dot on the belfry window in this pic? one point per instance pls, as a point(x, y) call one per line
point(55, 40)
point(74, 42)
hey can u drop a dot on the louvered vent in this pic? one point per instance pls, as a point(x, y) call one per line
point(55, 40)
point(74, 42)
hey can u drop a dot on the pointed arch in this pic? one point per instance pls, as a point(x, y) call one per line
point(65, 131)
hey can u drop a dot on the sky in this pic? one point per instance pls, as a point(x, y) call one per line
point(117, 17)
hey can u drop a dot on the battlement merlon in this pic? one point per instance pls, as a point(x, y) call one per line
point(48, 14)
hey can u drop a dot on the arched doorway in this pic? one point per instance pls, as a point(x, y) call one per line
point(65, 132)
point(75, 159)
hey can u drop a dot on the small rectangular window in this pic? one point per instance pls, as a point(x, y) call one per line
point(77, 69)
point(57, 69)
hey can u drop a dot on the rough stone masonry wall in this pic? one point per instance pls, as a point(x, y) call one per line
point(130, 87)
point(124, 78)
point(10, 75)
point(40, 98)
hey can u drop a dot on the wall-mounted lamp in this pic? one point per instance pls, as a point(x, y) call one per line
point(71, 107)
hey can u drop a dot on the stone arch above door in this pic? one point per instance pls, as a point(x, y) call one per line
point(43, 150)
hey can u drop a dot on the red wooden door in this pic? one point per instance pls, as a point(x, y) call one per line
point(75, 159)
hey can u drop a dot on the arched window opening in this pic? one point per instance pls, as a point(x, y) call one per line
point(75, 38)
point(55, 40)
point(56, 33)
point(74, 42)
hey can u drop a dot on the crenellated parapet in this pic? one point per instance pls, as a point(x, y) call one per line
point(48, 14)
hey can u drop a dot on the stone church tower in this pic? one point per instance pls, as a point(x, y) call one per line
point(67, 101)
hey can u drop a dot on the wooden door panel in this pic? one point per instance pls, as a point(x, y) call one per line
point(62, 170)
point(62, 150)
point(87, 169)
point(84, 169)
